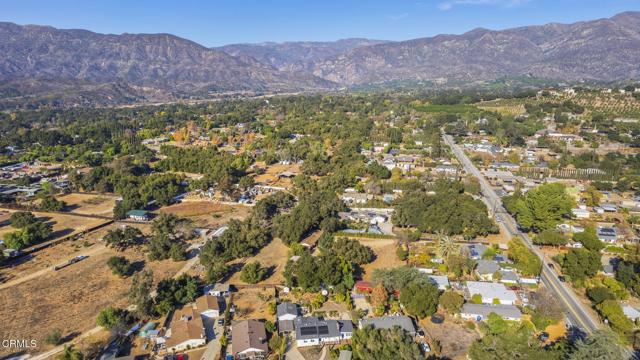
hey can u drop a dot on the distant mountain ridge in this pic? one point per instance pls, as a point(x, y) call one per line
point(39, 60)
point(605, 49)
point(297, 55)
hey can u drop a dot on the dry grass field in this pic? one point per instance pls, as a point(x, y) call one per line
point(272, 256)
point(270, 177)
point(89, 204)
point(385, 250)
point(206, 213)
point(63, 224)
point(69, 299)
point(251, 303)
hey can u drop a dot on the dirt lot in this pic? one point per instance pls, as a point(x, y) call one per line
point(385, 250)
point(206, 213)
point(90, 204)
point(63, 224)
point(454, 338)
point(274, 257)
point(251, 303)
point(68, 299)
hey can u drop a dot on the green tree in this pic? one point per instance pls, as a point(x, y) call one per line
point(580, 264)
point(600, 345)
point(352, 251)
point(599, 294)
point(70, 353)
point(253, 273)
point(374, 344)
point(50, 203)
point(514, 343)
point(112, 318)
point(523, 258)
point(420, 300)
point(612, 311)
point(122, 239)
point(550, 237)
point(544, 207)
point(140, 293)
point(451, 301)
point(119, 266)
point(21, 219)
point(589, 239)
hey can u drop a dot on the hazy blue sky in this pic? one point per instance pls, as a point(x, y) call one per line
point(214, 22)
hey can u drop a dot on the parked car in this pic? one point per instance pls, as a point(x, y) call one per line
point(425, 347)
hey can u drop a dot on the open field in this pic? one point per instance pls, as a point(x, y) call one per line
point(251, 303)
point(42, 261)
point(385, 250)
point(89, 204)
point(273, 256)
point(69, 299)
point(207, 214)
point(63, 224)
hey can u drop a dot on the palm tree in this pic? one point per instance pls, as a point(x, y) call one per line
point(446, 245)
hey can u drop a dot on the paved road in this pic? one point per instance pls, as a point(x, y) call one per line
point(578, 314)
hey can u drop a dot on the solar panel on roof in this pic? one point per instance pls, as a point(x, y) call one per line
point(304, 331)
point(323, 330)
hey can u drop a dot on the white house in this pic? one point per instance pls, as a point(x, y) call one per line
point(490, 291)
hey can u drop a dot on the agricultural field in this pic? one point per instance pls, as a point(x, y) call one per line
point(70, 299)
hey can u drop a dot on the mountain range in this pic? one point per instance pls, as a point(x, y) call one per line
point(80, 66)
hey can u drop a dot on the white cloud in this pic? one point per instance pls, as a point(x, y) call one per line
point(450, 4)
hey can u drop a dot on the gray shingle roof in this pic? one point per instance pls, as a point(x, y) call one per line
point(487, 267)
point(287, 308)
point(388, 322)
point(506, 311)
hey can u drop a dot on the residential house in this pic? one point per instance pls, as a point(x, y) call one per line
point(389, 322)
point(218, 289)
point(607, 234)
point(441, 281)
point(491, 292)
point(287, 312)
point(249, 340)
point(474, 251)
point(486, 268)
point(311, 331)
point(355, 198)
point(509, 277)
point(186, 328)
point(138, 215)
point(579, 213)
point(480, 312)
